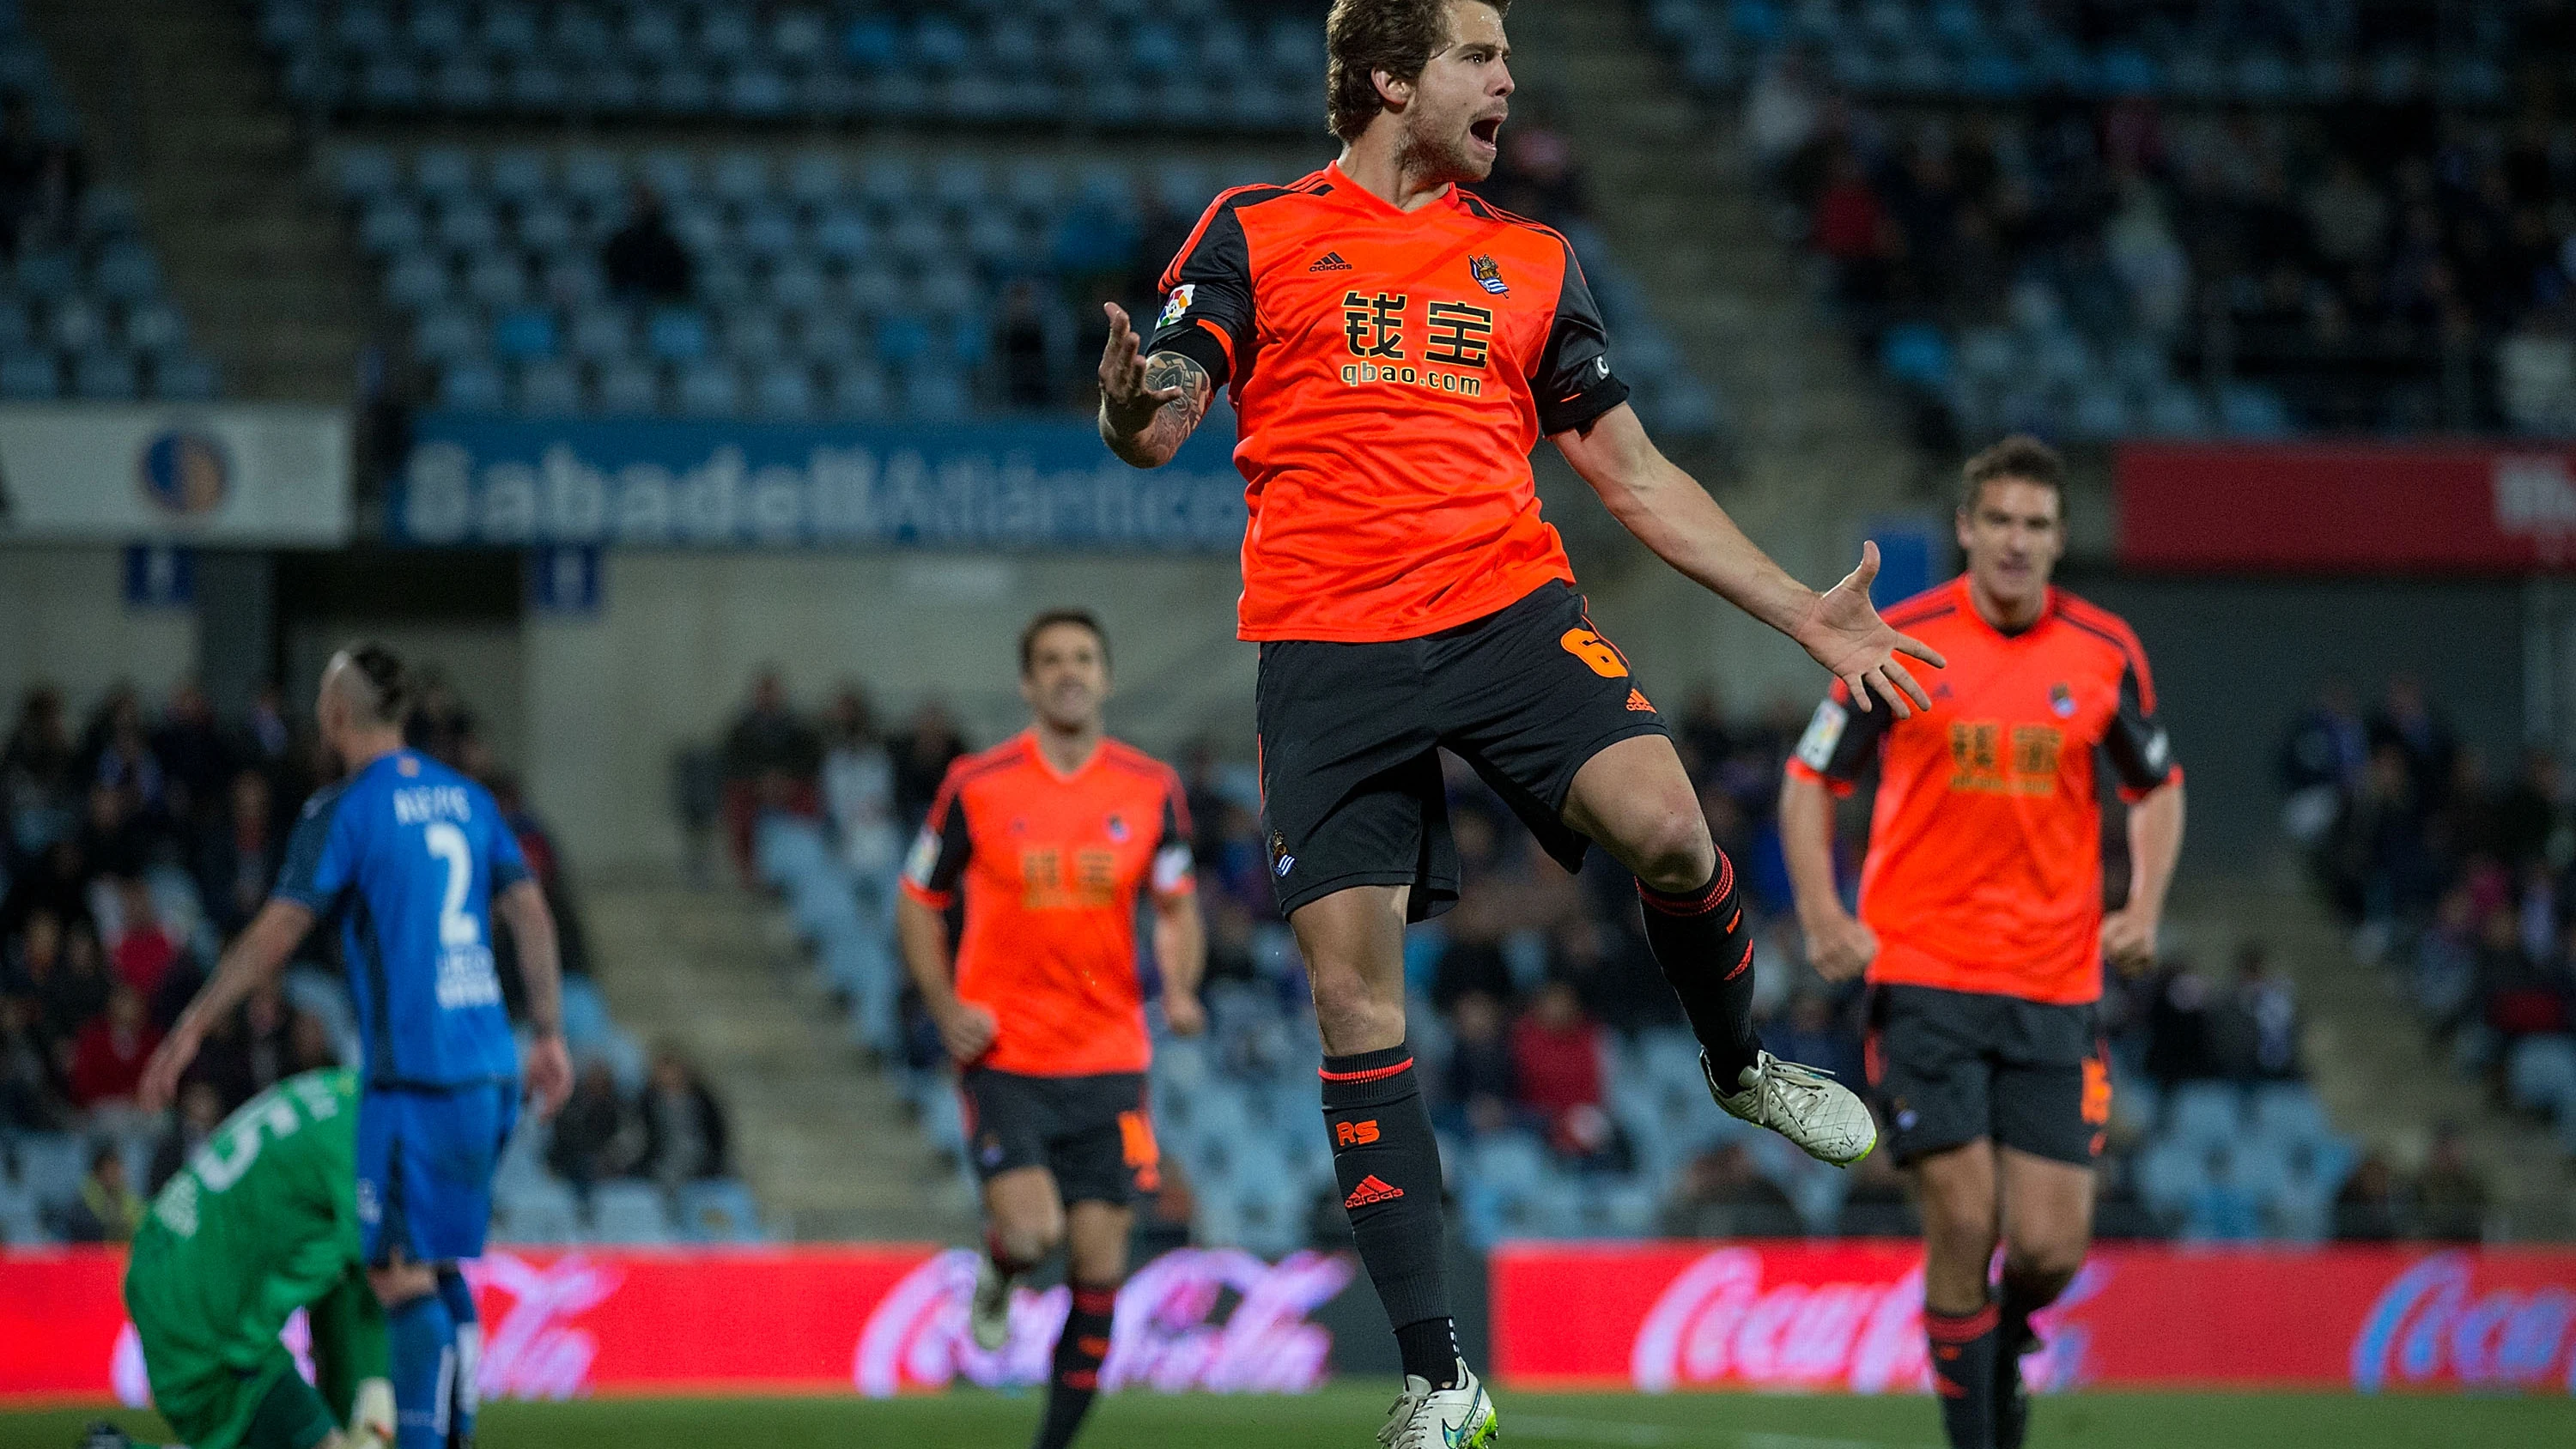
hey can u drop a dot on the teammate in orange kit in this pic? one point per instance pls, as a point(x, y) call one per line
point(1050, 836)
point(1395, 347)
point(1981, 922)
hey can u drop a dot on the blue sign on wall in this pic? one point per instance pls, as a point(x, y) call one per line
point(670, 483)
point(564, 579)
point(1913, 555)
point(160, 575)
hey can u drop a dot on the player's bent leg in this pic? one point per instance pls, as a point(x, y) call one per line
point(1023, 1222)
point(1960, 1226)
point(1635, 799)
point(1095, 1263)
point(1384, 1155)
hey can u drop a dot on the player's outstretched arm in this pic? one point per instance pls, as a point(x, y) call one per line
point(1149, 406)
point(1670, 513)
point(256, 953)
point(532, 930)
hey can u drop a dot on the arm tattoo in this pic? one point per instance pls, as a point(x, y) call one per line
point(1152, 442)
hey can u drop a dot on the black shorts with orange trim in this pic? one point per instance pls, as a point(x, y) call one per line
point(1950, 1067)
point(1350, 736)
point(1095, 1134)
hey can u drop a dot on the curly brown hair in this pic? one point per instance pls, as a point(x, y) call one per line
point(1362, 37)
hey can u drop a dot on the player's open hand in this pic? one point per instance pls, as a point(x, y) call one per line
point(1838, 946)
point(1129, 400)
point(549, 1074)
point(159, 1085)
point(1844, 633)
point(1183, 1013)
point(2129, 940)
point(967, 1030)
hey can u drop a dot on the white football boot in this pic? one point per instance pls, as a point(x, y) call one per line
point(988, 1314)
point(1803, 1104)
point(1460, 1417)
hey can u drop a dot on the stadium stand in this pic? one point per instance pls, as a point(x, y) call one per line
point(2246, 220)
point(1189, 66)
point(808, 284)
point(83, 314)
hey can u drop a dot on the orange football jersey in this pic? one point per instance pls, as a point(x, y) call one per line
point(1050, 865)
point(1391, 371)
point(1985, 858)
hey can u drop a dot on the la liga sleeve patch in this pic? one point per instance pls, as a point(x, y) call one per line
point(1824, 733)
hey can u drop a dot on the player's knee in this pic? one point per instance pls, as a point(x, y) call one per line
point(2045, 1257)
point(1671, 851)
point(1352, 1013)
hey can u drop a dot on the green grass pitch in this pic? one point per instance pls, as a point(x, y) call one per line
point(1347, 1418)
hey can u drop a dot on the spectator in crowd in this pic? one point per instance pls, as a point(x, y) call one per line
point(200, 1110)
point(239, 855)
point(1877, 1204)
point(2321, 764)
point(1556, 1071)
point(270, 741)
point(642, 260)
point(1029, 345)
point(1808, 1029)
point(36, 762)
point(106, 1210)
point(1723, 1195)
point(250, 1051)
point(116, 838)
point(439, 725)
point(40, 181)
point(770, 761)
point(2178, 1026)
point(77, 992)
point(2451, 1195)
point(193, 755)
point(2253, 1033)
point(2366, 1208)
point(1479, 1084)
point(144, 950)
point(596, 1135)
point(2408, 723)
point(108, 1057)
point(33, 1095)
point(684, 1130)
point(922, 755)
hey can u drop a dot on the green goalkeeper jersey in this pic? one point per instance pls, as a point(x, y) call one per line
point(261, 1221)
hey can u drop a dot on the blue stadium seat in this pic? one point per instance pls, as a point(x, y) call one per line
point(443, 173)
point(471, 387)
point(391, 224)
point(465, 86)
point(497, 280)
point(597, 178)
point(753, 334)
point(466, 224)
point(544, 225)
point(740, 177)
point(417, 281)
point(631, 388)
point(447, 335)
point(542, 1212)
point(519, 175)
point(827, 337)
point(549, 389)
point(798, 285)
point(16, 329)
point(184, 378)
point(2205, 1114)
point(524, 334)
point(365, 173)
point(106, 377)
point(677, 334)
point(842, 234)
point(653, 34)
point(508, 30)
point(29, 376)
point(46, 275)
point(718, 1210)
point(76, 323)
point(601, 333)
point(785, 392)
point(709, 389)
point(153, 328)
point(800, 38)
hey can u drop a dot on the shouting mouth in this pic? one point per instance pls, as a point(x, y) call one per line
point(1484, 131)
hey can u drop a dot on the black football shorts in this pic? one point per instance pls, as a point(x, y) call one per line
point(1350, 736)
point(1950, 1067)
point(1093, 1133)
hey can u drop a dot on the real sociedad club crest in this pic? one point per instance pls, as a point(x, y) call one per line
point(1488, 276)
point(2062, 700)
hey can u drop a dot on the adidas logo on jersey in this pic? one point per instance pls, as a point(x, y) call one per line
point(1637, 702)
point(1372, 1188)
point(1330, 262)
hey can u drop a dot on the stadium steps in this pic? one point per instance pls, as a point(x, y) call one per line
point(825, 1143)
point(1674, 193)
point(175, 99)
point(2375, 1068)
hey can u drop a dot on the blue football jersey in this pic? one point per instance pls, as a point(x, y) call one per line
point(406, 855)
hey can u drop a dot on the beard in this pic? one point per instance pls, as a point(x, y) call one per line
point(1440, 156)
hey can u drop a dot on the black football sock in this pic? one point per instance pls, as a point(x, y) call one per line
point(1075, 1379)
point(1388, 1164)
point(2022, 1295)
point(1700, 939)
point(1963, 1374)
